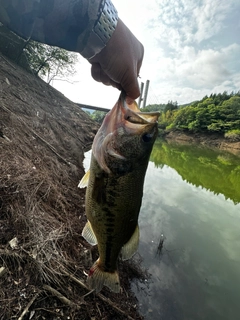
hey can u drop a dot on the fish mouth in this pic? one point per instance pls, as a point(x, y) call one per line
point(129, 115)
point(132, 113)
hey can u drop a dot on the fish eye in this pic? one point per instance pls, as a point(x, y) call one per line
point(147, 137)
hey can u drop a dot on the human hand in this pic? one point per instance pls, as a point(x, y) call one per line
point(118, 64)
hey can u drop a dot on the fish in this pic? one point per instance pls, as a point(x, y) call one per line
point(119, 160)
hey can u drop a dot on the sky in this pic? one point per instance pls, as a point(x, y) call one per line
point(192, 49)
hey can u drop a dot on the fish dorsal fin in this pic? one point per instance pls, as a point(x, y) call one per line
point(131, 246)
point(88, 234)
point(84, 181)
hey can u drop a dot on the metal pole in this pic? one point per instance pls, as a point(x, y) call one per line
point(141, 94)
point(145, 94)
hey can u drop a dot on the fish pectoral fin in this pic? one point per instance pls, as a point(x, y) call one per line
point(88, 234)
point(84, 181)
point(131, 246)
point(97, 278)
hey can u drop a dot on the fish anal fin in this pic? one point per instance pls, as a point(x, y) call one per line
point(97, 278)
point(84, 181)
point(88, 234)
point(131, 246)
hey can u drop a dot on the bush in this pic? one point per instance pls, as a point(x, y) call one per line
point(233, 135)
point(170, 126)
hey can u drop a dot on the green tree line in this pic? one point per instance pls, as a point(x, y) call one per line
point(164, 107)
point(216, 113)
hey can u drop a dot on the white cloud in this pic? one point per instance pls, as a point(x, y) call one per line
point(193, 60)
point(192, 48)
point(206, 68)
point(186, 22)
point(195, 73)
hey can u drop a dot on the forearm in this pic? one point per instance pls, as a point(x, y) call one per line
point(69, 24)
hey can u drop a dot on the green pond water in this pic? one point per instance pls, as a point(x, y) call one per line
point(192, 201)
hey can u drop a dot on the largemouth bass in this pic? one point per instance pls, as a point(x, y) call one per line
point(120, 154)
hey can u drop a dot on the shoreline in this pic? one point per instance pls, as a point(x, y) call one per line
point(209, 140)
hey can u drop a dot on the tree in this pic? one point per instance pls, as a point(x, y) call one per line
point(171, 106)
point(153, 107)
point(52, 63)
point(217, 113)
point(98, 116)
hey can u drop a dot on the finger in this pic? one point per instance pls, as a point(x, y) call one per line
point(99, 75)
point(131, 87)
point(133, 91)
point(130, 83)
point(129, 100)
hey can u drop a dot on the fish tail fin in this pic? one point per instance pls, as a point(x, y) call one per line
point(98, 278)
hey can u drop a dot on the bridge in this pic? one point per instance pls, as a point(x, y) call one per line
point(86, 106)
point(140, 99)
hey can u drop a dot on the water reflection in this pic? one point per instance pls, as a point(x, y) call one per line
point(191, 196)
point(214, 170)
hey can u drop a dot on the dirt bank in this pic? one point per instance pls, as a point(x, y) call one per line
point(209, 140)
point(43, 258)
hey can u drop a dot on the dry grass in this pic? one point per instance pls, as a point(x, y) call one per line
point(41, 245)
point(43, 258)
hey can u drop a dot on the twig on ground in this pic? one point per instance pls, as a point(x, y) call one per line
point(99, 310)
point(78, 281)
point(3, 270)
point(61, 297)
point(106, 300)
point(100, 296)
point(25, 311)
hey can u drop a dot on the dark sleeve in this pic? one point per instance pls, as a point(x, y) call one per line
point(63, 23)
